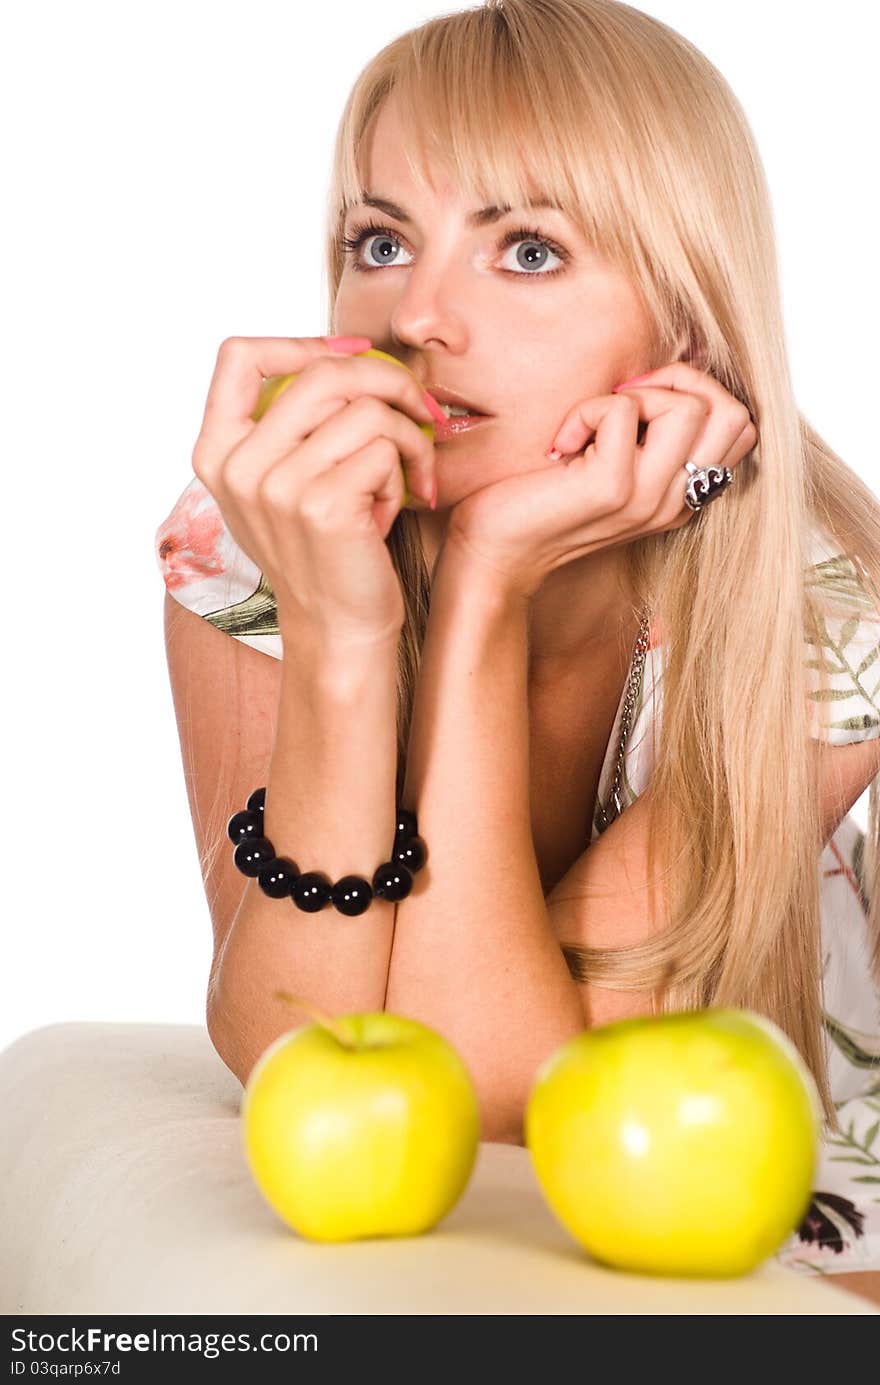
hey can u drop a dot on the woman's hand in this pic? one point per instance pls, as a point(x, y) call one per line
point(310, 490)
point(615, 490)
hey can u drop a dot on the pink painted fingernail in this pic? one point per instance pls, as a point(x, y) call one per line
point(434, 408)
point(348, 343)
point(636, 380)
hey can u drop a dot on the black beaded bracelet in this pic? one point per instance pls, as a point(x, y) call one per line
point(279, 877)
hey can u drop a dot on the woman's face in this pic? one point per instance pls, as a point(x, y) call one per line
point(522, 331)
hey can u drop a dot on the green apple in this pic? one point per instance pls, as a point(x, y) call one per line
point(684, 1144)
point(273, 385)
point(363, 1125)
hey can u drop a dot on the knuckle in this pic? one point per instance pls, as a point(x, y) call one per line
point(198, 460)
point(273, 490)
point(368, 406)
point(699, 407)
point(316, 507)
point(231, 346)
point(607, 497)
point(642, 509)
point(388, 450)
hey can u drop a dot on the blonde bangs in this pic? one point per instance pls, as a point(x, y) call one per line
point(494, 105)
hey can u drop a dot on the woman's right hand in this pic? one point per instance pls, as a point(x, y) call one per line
point(310, 491)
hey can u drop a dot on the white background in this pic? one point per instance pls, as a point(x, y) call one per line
point(165, 168)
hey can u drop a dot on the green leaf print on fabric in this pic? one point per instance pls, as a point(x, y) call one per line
point(862, 1050)
point(852, 639)
point(257, 614)
point(859, 1150)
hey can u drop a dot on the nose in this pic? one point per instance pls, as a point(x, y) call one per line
point(435, 307)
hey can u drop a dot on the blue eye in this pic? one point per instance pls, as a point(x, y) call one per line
point(524, 234)
point(353, 243)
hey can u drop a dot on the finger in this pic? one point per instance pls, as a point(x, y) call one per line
point(673, 511)
point(615, 462)
point(242, 364)
point(741, 447)
point(583, 421)
point(352, 427)
point(724, 422)
point(367, 488)
point(613, 452)
point(680, 376)
point(325, 387)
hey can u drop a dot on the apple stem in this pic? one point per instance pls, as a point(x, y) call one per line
point(319, 1016)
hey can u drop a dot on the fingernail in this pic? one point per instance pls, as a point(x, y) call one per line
point(434, 408)
point(554, 454)
point(636, 380)
point(434, 494)
point(348, 343)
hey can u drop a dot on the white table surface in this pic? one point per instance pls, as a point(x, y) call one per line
point(125, 1190)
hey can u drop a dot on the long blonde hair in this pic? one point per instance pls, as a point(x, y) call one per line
point(640, 140)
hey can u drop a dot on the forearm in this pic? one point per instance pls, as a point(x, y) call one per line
point(474, 955)
point(330, 806)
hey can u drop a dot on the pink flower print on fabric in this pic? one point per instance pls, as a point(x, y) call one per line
point(188, 541)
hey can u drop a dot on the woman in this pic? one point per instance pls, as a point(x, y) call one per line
point(493, 657)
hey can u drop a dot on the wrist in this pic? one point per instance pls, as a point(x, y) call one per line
point(336, 654)
point(464, 565)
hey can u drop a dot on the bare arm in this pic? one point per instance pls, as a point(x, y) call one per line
point(603, 900)
point(330, 806)
point(474, 955)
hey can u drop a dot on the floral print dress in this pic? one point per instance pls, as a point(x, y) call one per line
point(206, 571)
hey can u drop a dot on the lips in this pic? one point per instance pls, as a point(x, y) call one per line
point(444, 395)
point(451, 427)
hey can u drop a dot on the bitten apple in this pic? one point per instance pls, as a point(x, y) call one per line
point(273, 385)
point(684, 1144)
point(361, 1126)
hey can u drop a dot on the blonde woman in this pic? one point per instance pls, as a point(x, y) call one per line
point(554, 214)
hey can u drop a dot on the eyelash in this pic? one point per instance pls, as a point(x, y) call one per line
point(360, 234)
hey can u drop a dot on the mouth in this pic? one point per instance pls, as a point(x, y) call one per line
point(452, 403)
point(458, 423)
point(461, 414)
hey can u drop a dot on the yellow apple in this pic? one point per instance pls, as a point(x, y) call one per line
point(683, 1144)
point(273, 385)
point(364, 1125)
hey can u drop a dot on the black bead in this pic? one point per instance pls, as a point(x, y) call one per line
point(406, 824)
point(351, 895)
point(244, 826)
point(411, 853)
point(392, 881)
point(276, 878)
point(257, 801)
point(251, 856)
point(311, 891)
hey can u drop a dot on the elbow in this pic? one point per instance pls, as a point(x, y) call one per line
point(224, 1042)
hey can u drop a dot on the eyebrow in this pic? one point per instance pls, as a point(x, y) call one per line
point(485, 216)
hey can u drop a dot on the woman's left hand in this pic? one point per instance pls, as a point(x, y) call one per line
point(615, 490)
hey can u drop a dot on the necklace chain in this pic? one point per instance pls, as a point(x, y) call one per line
point(615, 806)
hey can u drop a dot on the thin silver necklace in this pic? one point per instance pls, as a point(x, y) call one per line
point(615, 807)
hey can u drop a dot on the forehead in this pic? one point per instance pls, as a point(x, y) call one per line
point(397, 155)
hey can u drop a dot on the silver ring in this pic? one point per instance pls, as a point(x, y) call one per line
point(705, 484)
